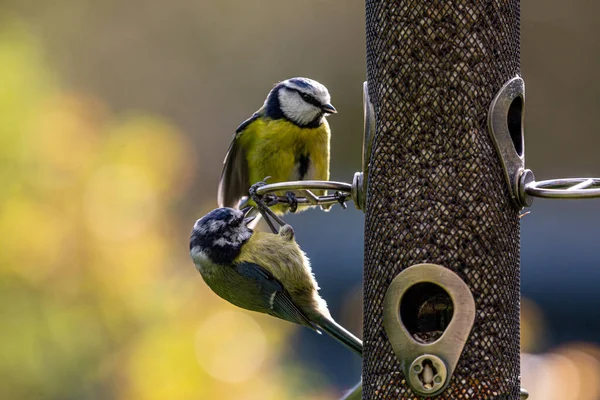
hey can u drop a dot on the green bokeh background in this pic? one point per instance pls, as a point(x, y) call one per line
point(114, 120)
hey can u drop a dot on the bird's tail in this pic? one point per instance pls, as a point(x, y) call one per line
point(339, 333)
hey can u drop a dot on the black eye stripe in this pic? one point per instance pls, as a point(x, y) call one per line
point(308, 98)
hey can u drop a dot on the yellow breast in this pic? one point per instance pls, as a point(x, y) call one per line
point(285, 151)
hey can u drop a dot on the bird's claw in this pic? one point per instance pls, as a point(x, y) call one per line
point(254, 188)
point(271, 200)
point(292, 201)
point(341, 198)
point(263, 202)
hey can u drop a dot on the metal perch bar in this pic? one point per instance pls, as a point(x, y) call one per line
point(570, 188)
point(505, 123)
point(343, 192)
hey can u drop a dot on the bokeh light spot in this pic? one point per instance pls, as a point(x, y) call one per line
point(231, 346)
point(141, 141)
point(64, 140)
point(532, 326)
point(119, 203)
point(34, 238)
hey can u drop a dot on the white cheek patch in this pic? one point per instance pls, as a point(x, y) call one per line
point(296, 109)
point(202, 262)
point(221, 242)
point(198, 255)
point(233, 238)
point(241, 235)
point(215, 225)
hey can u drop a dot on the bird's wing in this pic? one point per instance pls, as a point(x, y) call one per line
point(276, 297)
point(234, 182)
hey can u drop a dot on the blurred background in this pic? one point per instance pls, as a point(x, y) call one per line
point(114, 120)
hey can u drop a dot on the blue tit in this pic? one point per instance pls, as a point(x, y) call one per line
point(287, 139)
point(261, 271)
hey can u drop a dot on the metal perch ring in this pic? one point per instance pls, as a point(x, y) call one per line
point(343, 192)
point(570, 188)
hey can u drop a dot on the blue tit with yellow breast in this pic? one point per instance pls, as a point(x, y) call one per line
point(261, 271)
point(287, 139)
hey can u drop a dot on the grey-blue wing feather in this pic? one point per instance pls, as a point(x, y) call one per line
point(247, 122)
point(277, 300)
point(234, 182)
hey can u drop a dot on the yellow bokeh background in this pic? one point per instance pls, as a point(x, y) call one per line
point(99, 298)
point(114, 120)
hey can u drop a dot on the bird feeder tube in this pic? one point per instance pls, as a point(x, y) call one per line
point(436, 195)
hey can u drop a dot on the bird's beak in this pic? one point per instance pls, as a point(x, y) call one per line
point(328, 108)
point(246, 210)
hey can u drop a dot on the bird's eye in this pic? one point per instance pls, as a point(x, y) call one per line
point(234, 221)
point(305, 96)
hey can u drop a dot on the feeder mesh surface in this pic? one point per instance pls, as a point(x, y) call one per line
point(436, 190)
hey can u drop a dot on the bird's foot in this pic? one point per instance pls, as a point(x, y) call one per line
point(341, 198)
point(263, 202)
point(271, 200)
point(267, 200)
point(254, 189)
point(292, 201)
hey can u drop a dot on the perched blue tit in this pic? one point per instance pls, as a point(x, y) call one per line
point(261, 271)
point(287, 139)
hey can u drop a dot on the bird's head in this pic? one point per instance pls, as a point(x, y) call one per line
point(303, 101)
point(220, 235)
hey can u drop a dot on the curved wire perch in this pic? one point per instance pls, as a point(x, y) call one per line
point(570, 188)
point(343, 192)
point(263, 195)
